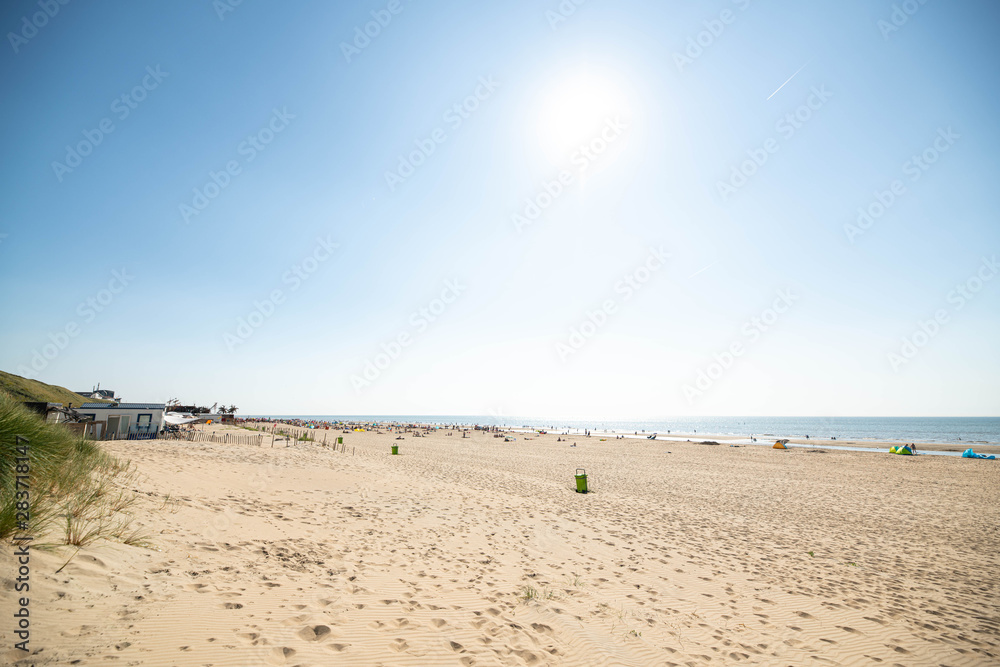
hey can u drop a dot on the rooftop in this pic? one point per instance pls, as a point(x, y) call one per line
point(122, 406)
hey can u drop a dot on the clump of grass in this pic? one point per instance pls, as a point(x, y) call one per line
point(171, 504)
point(81, 531)
point(72, 481)
point(529, 593)
point(305, 437)
point(122, 531)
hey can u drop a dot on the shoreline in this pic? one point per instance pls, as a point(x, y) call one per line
point(886, 430)
point(848, 444)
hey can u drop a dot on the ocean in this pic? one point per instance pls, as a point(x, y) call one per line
point(946, 430)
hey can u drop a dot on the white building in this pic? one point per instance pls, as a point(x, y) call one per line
point(137, 421)
point(101, 394)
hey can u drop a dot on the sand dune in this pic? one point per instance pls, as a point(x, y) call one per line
point(472, 551)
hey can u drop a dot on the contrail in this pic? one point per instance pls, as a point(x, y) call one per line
point(786, 82)
point(700, 270)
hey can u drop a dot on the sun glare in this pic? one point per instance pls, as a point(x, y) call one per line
point(573, 111)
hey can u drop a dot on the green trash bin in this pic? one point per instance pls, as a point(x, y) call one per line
point(340, 439)
point(581, 480)
point(395, 449)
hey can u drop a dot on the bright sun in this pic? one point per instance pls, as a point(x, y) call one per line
point(574, 110)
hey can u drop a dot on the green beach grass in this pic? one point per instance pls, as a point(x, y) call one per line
point(24, 389)
point(73, 485)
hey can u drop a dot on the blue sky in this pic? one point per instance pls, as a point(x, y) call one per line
point(264, 257)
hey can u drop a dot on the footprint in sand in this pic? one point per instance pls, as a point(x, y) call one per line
point(280, 655)
point(528, 657)
point(338, 648)
point(314, 633)
point(398, 645)
point(231, 605)
point(93, 560)
point(78, 631)
point(295, 620)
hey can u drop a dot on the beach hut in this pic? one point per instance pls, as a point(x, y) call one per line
point(134, 421)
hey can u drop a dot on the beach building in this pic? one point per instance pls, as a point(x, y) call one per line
point(54, 413)
point(101, 394)
point(57, 413)
point(137, 421)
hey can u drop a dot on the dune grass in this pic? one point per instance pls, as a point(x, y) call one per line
point(73, 484)
point(23, 389)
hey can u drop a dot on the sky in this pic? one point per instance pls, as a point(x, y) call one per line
point(579, 209)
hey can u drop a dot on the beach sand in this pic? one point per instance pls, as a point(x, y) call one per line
point(473, 551)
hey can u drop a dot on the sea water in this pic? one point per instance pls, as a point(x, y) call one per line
point(967, 431)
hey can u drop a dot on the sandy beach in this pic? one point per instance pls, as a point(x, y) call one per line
point(475, 551)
